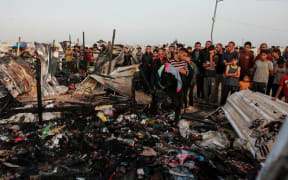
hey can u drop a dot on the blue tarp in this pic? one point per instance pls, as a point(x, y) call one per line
point(21, 45)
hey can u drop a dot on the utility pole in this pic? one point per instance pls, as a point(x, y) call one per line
point(38, 81)
point(111, 50)
point(70, 39)
point(18, 46)
point(214, 18)
point(85, 54)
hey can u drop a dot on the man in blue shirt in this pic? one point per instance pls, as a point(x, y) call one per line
point(196, 57)
point(227, 56)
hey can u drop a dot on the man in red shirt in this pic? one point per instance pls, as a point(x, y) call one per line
point(89, 57)
point(246, 61)
point(283, 86)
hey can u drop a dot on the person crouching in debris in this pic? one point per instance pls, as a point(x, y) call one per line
point(231, 81)
point(170, 78)
point(283, 86)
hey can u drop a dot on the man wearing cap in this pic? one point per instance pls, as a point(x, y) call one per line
point(139, 55)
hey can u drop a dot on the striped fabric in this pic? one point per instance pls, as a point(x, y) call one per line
point(180, 65)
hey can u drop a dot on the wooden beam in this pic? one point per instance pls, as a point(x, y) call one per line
point(18, 47)
point(111, 51)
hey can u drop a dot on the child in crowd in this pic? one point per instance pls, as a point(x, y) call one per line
point(245, 84)
point(279, 72)
point(262, 69)
point(283, 86)
point(231, 81)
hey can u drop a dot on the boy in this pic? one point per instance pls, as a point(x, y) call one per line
point(262, 70)
point(283, 86)
point(193, 73)
point(279, 71)
point(245, 84)
point(231, 81)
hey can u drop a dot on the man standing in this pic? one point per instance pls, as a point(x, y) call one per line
point(171, 50)
point(246, 60)
point(192, 75)
point(220, 69)
point(262, 69)
point(147, 61)
point(155, 67)
point(127, 57)
point(69, 57)
point(77, 57)
point(197, 59)
point(139, 54)
point(285, 54)
point(227, 56)
point(190, 50)
point(210, 76)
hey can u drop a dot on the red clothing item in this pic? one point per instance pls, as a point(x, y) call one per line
point(89, 57)
point(284, 83)
point(246, 62)
point(269, 57)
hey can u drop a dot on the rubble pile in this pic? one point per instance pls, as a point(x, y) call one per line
point(257, 119)
point(116, 142)
point(265, 134)
point(103, 133)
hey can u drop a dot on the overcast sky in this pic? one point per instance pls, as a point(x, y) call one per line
point(145, 22)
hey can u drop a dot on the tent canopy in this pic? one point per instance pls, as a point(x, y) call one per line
point(23, 45)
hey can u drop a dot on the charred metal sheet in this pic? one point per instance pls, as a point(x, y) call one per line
point(275, 166)
point(119, 81)
point(18, 75)
point(244, 109)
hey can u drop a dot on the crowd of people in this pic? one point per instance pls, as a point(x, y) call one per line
point(215, 70)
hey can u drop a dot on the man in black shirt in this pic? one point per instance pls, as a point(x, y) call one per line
point(156, 64)
point(210, 76)
point(127, 57)
point(146, 63)
point(196, 58)
point(171, 51)
point(220, 68)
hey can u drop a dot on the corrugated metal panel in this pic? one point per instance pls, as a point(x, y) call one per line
point(243, 107)
point(275, 166)
point(119, 81)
